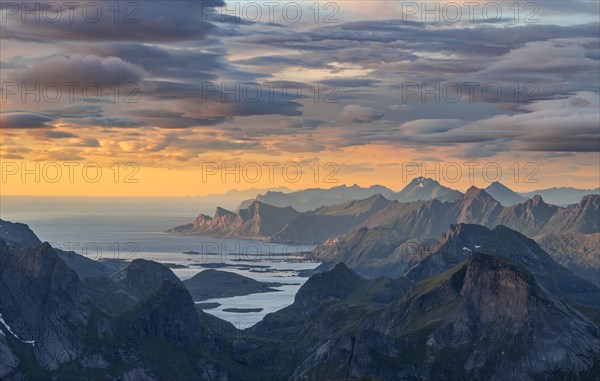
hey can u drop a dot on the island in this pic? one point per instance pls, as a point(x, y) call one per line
point(211, 284)
point(242, 310)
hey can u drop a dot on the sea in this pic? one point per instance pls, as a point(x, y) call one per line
point(128, 228)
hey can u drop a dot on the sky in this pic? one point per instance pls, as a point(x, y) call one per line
point(175, 98)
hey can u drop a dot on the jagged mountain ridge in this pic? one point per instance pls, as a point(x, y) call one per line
point(381, 235)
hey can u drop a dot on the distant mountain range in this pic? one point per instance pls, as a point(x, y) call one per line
point(378, 245)
point(418, 219)
point(313, 198)
point(420, 188)
point(285, 224)
point(456, 314)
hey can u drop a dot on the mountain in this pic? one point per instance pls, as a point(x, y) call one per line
point(461, 240)
point(328, 221)
point(484, 319)
point(384, 243)
point(504, 195)
point(313, 198)
point(209, 284)
point(421, 188)
point(50, 329)
point(142, 277)
point(487, 318)
point(576, 251)
point(561, 196)
point(20, 235)
point(41, 300)
point(259, 220)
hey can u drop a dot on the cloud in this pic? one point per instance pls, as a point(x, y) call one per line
point(82, 70)
point(302, 123)
point(53, 134)
point(147, 21)
point(24, 120)
point(359, 114)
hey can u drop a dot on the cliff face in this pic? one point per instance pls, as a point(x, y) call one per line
point(257, 221)
point(42, 301)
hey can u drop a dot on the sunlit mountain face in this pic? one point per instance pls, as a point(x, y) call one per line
point(299, 190)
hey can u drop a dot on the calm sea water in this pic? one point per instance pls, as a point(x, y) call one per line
point(129, 228)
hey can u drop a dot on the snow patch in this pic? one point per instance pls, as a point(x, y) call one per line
point(32, 342)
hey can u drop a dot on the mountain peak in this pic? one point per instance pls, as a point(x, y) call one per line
point(537, 200)
point(503, 194)
point(473, 192)
point(222, 212)
point(423, 188)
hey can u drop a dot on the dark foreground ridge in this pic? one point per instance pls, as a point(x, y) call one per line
point(485, 318)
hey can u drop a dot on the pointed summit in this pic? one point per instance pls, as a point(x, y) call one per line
point(504, 194)
point(423, 188)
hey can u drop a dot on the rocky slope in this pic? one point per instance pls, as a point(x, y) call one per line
point(576, 251)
